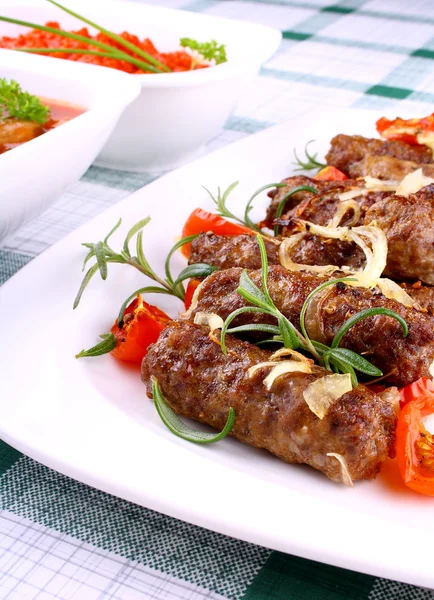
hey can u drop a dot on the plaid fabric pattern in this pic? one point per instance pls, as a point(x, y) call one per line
point(60, 539)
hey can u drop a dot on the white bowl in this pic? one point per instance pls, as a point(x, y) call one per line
point(34, 174)
point(176, 113)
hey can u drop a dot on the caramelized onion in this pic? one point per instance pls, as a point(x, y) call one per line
point(345, 474)
point(323, 393)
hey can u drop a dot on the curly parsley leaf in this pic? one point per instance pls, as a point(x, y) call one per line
point(209, 50)
point(21, 105)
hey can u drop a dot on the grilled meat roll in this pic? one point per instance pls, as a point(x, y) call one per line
point(202, 383)
point(379, 338)
point(346, 151)
point(388, 167)
point(322, 187)
point(408, 223)
point(225, 252)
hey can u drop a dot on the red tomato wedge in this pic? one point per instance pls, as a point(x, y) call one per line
point(414, 443)
point(202, 221)
point(423, 387)
point(406, 130)
point(189, 292)
point(330, 174)
point(141, 327)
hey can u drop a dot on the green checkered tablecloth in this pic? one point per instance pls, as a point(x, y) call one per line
point(60, 539)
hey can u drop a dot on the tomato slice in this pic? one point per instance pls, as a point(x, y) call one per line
point(189, 292)
point(422, 388)
point(415, 446)
point(141, 327)
point(330, 174)
point(411, 131)
point(201, 221)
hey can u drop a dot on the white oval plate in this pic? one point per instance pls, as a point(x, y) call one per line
point(91, 420)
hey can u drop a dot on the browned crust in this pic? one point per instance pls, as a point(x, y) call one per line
point(201, 383)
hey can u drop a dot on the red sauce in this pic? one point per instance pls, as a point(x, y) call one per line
point(176, 61)
point(14, 132)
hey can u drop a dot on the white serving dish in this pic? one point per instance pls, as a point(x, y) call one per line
point(34, 174)
point(91, 419)
point(176, 113)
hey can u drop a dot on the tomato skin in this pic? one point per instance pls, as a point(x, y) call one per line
point(405, 130)
point(142, 325)
point(330, 174)
point(422, 388)
point(414, 444)
point(189, 292)
point(202, 221)
point(409, 433)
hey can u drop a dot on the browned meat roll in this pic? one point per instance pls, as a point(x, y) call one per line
point(422, 294)
point(379, 338)
point(201, 383)
point(348, 150)
point(322, 187)
point(225, 252)
point(408, 223)
point(387, 167)
point(409, 227)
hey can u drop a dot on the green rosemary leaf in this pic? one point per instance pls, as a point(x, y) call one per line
point(341, 365)
point(132, 232)
point(232, 316)
point(255, 327)
point(108, 343)
point(264, 268)
point(90, 273)
point(274, 340)
point(281, 206)
point(101, 260)
point(229, 189)
point(150, 289)
point(250, 291)
point(89, 256)
point(311, 161)
point(249, 206)
point(311, 295)
point(141, 258)
point(287, 331)
point(181, 429)
point(194, 271)
point(364, 314)
point(111, 232)
point(179, 244)
point(354, 360)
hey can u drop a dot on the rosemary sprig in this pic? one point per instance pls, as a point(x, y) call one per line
point(331, 357)
point(104, 254)
point(179, 428)
point(310, 162)
point(107, 344)
point(223, 210)
point(262, 303)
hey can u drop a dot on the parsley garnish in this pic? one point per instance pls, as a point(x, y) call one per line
point(209, 50)
point(21, 105)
